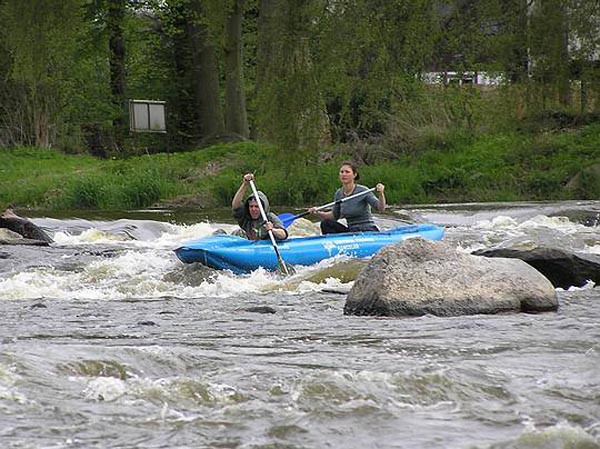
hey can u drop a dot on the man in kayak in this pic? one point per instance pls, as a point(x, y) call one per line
point(247, 214)
point(356, 211)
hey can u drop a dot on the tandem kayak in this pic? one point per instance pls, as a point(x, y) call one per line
point(228, 252)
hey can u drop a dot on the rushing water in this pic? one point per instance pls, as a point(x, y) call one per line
point(108, 341)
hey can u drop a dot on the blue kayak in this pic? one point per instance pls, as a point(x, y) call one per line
point(228, 252)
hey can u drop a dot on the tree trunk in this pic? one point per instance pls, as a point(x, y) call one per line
point(188, 123)
point(265, 64)
point(236, 119)
point(205, 76)
point(584, 96)
point(550, 53)
point(40, 116)
point(264, 44)
point(41, 125)
point(116, 44)
point(564, 75)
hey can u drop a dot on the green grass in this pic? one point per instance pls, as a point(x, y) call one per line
point(500, 167)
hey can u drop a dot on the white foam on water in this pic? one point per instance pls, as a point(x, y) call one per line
point(89, 236)
point(134, 274)
point(561, 224)
point(139, 269)
point(8, 381)
point(498, 223)
point(595, 249)
point(505, 223)
point(561, 435)
point(34, 284)
point(180, 234)
point(172, 390)
point(12, 395)
point(105, 389)
point(225, 284)
point(540, 228)
point(589, 285)
point(172, 236)
point(328, 283)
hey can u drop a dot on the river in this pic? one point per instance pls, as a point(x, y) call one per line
point(108, 341)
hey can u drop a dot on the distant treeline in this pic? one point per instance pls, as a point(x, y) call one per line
point(305, 76)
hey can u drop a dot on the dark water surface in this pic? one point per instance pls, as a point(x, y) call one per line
point(108, 341)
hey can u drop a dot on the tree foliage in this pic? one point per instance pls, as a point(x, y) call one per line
point(297, 73)
point(41, 37)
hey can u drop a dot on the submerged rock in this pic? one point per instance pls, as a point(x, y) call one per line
point(344, 271)
point(260, 309)
point(193, 275)
point(418, 277)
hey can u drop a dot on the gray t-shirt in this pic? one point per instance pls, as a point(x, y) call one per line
point(356, 211)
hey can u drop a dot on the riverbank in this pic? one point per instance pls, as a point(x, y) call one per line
point(500, 167)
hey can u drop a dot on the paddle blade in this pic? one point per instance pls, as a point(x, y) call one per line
point(286, 270)
point(287, 219)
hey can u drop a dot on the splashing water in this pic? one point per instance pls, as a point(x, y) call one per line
point(108, 340)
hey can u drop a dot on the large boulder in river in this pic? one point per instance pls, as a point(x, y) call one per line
point(563, 268)
point(418, 277)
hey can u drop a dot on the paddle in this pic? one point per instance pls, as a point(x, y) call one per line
point(288, 219)
point(273, 241)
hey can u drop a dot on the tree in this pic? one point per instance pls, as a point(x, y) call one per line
point(584, 45)
point(369, 54)
point(236, 118)
point(41, 37)
point(291, 111)
point(548, 44)
point(115, 20)
point(205, 73)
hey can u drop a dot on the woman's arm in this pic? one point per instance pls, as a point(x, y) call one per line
point(323, 215)
point(278, 233)
point(381, 196)
point(239, 195)
point(332, 214)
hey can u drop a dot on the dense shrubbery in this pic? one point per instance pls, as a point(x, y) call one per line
point(500, 167)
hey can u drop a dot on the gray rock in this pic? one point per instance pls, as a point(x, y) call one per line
point(7, 234)
point(419, 277)
point(8, 237)
point(563, 268)
point(23, 227)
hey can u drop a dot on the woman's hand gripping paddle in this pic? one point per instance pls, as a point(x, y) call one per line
point(282, 265)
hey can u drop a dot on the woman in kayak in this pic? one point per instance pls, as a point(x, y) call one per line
point(356, 211)
point(247, 214)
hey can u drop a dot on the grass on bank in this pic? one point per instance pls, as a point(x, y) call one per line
point(500, 167)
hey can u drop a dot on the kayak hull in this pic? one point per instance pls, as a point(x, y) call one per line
point(228, 252)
